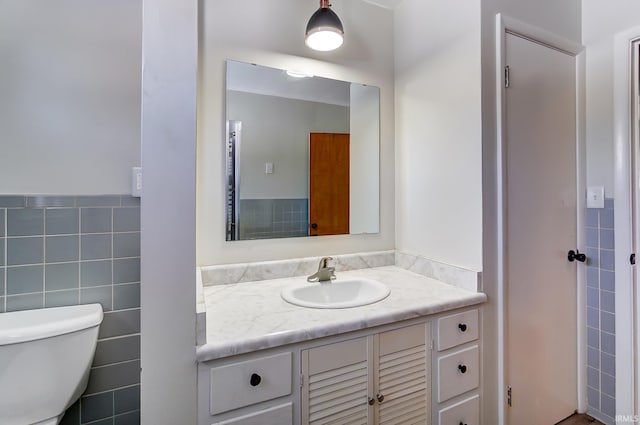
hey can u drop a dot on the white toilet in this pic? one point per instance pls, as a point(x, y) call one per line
point(45, 356)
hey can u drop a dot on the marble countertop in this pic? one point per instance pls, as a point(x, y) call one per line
point(251, 316)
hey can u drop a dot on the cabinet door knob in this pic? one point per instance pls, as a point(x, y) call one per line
point(371, 401)
point(380, 397)
point(255, 380)
point(462, 368)
point(462, 423)
point(462, 327)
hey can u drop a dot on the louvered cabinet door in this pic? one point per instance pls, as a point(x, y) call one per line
point(336, 384)
point(402, 378)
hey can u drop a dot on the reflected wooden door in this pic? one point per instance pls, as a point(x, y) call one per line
point(328, 184)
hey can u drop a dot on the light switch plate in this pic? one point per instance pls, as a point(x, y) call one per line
point(595, 197)
point(268, 168)
point(136, 181)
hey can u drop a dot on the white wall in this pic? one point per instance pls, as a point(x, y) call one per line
point(364, 196)
point(438, 131)
point(236, 29)
point(600, 22)
point(69, 95)
point(562, 18)
point(168, 293)
point(276, 130)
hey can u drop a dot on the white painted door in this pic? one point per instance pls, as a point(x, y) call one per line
point(540, 283)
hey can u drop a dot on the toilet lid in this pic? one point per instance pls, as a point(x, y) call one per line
point(29, 325)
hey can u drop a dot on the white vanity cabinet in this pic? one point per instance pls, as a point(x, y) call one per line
point(457, 369)
point(420, 371)
point(381, 379)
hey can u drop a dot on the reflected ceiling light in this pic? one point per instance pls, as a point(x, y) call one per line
point(324, 29)
point(296, 74)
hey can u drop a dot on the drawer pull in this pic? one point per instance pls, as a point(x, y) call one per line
point(463, 328)
point(255, 380)
point(380, 397)
point(462, 368)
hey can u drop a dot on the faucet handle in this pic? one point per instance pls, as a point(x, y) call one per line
point(324, 262)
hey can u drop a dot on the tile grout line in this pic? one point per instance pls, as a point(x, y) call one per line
point(5, 259)
point(44, 254)
point(79, 254)
point(113, 267)
point(599, 369)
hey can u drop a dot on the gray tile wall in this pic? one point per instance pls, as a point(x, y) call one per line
point(273, 218)
point(66, 250)
point(601, 360)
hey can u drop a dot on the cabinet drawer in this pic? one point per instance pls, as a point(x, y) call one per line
point(467, 412)
point(457, 329)
point(245, 383)
point(278, 415)
point(458, 372)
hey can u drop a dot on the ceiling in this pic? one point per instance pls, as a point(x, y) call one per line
point(258, 79)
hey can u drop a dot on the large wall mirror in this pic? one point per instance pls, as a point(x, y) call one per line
point(302, 154)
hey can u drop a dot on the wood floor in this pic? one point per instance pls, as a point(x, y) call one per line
point(580, 420)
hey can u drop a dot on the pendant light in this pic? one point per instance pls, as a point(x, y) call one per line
point(324, 30)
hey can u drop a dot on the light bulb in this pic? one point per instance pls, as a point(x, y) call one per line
point(324, 40)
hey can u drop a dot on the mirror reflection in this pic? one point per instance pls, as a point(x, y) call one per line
point(302, 154)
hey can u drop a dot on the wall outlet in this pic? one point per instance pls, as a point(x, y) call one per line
point(268, 168)
point(136, 181)
point(595, 197)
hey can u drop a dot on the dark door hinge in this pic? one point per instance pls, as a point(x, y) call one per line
point(509, 396)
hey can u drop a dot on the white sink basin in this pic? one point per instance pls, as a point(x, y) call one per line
point(339, 293)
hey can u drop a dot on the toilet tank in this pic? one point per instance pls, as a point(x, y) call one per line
point(45, 358)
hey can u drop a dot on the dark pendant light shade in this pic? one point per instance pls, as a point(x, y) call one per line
point(324, 30)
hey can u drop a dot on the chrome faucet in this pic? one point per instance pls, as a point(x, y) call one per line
point(324, 273)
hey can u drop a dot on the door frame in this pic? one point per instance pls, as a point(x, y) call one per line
point(627, 344)
point(504, 25)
